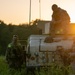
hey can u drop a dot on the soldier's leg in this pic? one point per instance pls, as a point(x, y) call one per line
point(52, 30)
point(65, 30)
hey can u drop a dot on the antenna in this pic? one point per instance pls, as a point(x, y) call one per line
point(40, 9)
point(30, 13)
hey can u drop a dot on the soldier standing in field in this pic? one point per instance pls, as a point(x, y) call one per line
point(60, 20)
point(14, 54)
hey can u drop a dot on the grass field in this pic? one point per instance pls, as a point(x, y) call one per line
point(53, 70)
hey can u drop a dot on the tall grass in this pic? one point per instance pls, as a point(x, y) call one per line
point(4, 69)
point(3, 66)
point(54, 69)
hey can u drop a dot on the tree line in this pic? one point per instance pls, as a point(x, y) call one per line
point(22, 30)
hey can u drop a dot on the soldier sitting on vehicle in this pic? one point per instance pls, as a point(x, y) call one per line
point(60, 21)
point(14, 54)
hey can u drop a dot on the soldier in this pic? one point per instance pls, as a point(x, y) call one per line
point(14, 54)
point(60, 20)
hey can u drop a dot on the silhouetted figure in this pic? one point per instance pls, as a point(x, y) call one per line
point(60, 20)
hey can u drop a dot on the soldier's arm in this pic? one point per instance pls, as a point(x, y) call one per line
point(21, 49)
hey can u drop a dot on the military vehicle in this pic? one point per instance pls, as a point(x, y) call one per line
point(43, 49)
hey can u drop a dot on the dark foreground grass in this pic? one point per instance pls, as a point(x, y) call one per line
point(54, 69)
point(4, 69)
point(3, 66)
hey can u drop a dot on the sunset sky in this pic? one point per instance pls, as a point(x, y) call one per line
point(17, 11)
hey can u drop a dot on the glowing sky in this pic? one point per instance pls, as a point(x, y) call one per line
point(17, 11)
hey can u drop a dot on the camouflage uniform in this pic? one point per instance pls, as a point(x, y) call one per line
point(14, 55)
point(60, 20)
